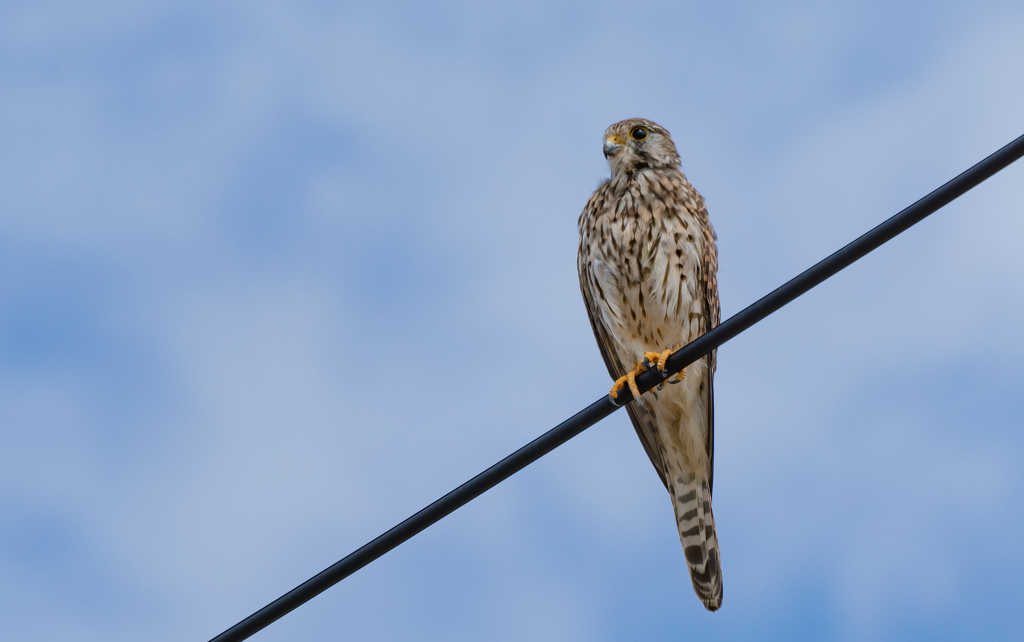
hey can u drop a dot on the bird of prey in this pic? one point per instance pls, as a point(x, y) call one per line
point(648, 263)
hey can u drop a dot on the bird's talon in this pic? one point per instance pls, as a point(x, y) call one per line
point(616, 389)
point(679, 377)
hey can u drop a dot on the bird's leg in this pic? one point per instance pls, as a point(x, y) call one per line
point(629, 379)
point(662, 359)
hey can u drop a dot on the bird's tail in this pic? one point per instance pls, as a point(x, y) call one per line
point(696, 522)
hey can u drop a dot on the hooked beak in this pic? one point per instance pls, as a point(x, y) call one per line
point(612, 146)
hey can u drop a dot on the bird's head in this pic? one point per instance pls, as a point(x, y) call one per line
point(635, 144)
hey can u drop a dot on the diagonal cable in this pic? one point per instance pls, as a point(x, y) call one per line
point(600, 409)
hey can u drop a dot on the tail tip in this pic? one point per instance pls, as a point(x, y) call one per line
point(712, 604)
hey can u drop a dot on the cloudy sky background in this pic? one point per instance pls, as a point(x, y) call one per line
point(244, 247)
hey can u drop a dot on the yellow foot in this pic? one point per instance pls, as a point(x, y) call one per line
point(629, 379)
point(660, 359)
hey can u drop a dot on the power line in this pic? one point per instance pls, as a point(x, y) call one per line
point(600, 409)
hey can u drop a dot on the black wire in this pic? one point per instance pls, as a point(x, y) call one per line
point(606, 406)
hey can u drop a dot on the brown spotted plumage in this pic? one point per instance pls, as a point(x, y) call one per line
point(647, 264)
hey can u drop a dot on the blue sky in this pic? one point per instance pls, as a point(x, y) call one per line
point(245, 246)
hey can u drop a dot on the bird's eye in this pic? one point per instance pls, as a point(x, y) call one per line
point(638, 133)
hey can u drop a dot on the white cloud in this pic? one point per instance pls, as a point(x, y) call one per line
point(295, 226)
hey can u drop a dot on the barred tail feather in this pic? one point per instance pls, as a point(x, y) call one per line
point(696, 522)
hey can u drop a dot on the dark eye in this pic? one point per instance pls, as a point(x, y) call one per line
point(638, 133)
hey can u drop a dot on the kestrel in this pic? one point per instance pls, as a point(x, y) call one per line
point(648, 263)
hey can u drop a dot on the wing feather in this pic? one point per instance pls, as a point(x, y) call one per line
point(712, 316)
